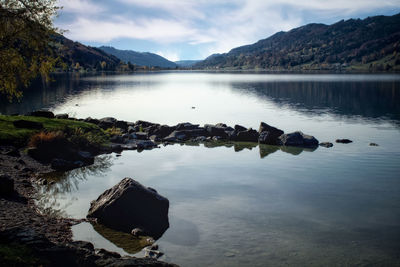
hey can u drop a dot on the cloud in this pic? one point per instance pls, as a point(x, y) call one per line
point(171, 56)
point(80, 6)
point(156, 30)
point(215, 26)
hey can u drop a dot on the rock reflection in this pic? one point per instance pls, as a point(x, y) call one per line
point(127, 242)
point(62, 183)
point(264, 150)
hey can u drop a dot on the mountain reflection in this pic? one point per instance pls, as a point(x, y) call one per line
point(369, 99)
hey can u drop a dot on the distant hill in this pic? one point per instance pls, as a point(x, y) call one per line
point(369, 44)
point(77, 56)
point(186, 63)
point(139, 58)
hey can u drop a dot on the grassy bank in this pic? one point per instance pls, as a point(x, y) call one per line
point(78, 131)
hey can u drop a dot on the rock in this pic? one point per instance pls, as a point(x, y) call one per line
point(154, 254)
point(144, 124)
point(155, 138)
point(123, 125)
point(176, 136)
point(153, 247)
point(268, 134)
point(186, 126)
point(129, 146)
point(106, 123)
point(62, 116)
point(117, 139)
point(326, 144)
point(42, 113)
point(220, 124)
point(6, 185)
point(141, 136)
point(373, 144)
point(343, 141)
point(65, 165)
point(163, 131)
point(298, 139)
point(13, 153)
point(115, 148)
point(145, 144)
point(130, 205)
point(28, 124)
point(91, 120)
point(200, 139)
point(214, 130)
point(249, 135)
point(239, 128)
point(86, 157)
point(132, 129)
point(137, 232)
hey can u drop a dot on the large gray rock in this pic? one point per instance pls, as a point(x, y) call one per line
point(268, 134)
point(298, 139)
point(130, 205)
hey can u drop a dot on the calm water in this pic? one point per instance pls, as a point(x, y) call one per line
point(242, 204)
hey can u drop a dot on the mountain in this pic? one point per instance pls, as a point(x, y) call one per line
point(369, 44)
point(139, 58)
point(77, 56)
point(186, 63)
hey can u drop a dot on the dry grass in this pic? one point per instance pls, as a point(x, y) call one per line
point(47, 139)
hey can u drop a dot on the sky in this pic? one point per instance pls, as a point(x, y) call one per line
point(195, 29)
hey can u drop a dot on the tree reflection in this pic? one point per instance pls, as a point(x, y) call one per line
point(62, 183)
point(374, 100)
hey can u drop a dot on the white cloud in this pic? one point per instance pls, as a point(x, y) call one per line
point(157, 30)
point(221, 24)
point(171, 56)
point(80, 6)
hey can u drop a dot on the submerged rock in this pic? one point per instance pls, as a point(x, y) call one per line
point(130, 205)
point(298, 139)
point(343, 141)
point(326, 144)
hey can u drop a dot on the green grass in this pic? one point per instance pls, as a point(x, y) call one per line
point(20, 136)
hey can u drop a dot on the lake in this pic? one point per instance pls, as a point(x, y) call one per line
point(242, 204)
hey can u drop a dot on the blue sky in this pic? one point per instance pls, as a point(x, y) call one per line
point(195, 29)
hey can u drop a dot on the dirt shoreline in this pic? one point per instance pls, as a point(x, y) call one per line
point(48, 239)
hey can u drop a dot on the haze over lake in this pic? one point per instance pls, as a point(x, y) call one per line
point(244, 204)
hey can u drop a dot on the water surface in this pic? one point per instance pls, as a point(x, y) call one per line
point(242, 204)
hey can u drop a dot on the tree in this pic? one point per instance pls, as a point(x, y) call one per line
point(25, 30)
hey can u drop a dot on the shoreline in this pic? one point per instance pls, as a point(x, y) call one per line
point(26, 226)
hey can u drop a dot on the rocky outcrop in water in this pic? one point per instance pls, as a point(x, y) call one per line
point(298, 139)
point(129, 205)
